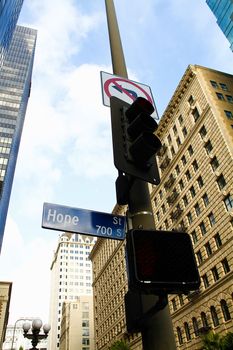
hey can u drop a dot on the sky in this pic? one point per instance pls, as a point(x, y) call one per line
point(65, 154)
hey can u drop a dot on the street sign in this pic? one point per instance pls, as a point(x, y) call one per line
point(125, 89)
point(83, 221)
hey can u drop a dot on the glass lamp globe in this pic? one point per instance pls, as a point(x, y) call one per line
point(26, 326)
point(36, 324)
point(46, 328)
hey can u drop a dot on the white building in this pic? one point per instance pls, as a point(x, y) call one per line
point(71, 278)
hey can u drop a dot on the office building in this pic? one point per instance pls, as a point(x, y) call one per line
point(77, 324)
point(9, 13)
point(15, 83)
point(71, 281)
point(195, 195)
point(223, 11)
point(5, 298)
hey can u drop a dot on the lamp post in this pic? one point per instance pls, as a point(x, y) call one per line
point(35, 336)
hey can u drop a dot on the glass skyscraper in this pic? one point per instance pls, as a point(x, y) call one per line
point(9, 13)
point(223, 11)
point(15, 82)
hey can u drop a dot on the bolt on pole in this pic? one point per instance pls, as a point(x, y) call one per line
point(158, 332)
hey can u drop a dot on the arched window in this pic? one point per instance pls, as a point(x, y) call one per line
point(179, 334)
point(214, 316)
point(225, 310)
point(195, 326)
point(187, 331)
point(204, 320)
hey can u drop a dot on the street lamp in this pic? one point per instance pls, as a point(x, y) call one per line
point(35, 334)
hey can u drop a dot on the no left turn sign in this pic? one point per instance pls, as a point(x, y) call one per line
point(124, 89)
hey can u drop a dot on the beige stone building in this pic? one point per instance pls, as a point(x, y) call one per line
point(195, 195)
point(77, 329)
point(5, 297)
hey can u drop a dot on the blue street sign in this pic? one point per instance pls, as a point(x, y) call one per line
point(87, 222)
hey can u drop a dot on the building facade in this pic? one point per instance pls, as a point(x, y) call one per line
point(9, 13)
point(5, 297)
point(195, 195)
point(71, 279)
point(77, 324)
point(15, 83)
point(223, 11)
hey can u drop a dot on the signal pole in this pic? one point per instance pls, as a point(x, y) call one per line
point(157, 333)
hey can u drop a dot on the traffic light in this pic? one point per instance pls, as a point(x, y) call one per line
point(134, 142)
point(161, 261)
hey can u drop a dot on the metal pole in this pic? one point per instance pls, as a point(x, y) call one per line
point(158, 333)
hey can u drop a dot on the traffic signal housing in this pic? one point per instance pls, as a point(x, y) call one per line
point(134, 142)
point(161, 261)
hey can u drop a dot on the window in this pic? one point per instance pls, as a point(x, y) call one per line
point(181, 299)
point(180, 118)
point(197, 209)
point(229, 98)
point(211, 219)
point(221, 182)
point(178, 141)
point(189, 217)
point(215, 273)
point(208, 147)
point(199, 257)
point(194, 237)
point(208, 249)
point(183, 159)
point(181, 184)
point(163, 209)
point(225, 265)
point(200, 182)
point(203, 131)
point(214, 84)
point(220, 96)
point(175, 129)
point(195, 165)
point(191, 100)
point(185, 200)
point(190, 150)
point(204, 320)
point(160, 194)
point(177, 169)
point(169, 139)
point(174, 306)
point(172, 150)
point(223, 86)
point(187, 331)
point(214, 316)
point(229, 114)
point(225, 310)
point(205, 280)
point(188, 175)
point(195, 114)
point(218, 240)
point(206, 199)
point(179, 334)
point(184, 131)
point(158, 216)
point(203, 228)
point(214, 163)
point(195, 326)
point(228, 201)
point(192, 191)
